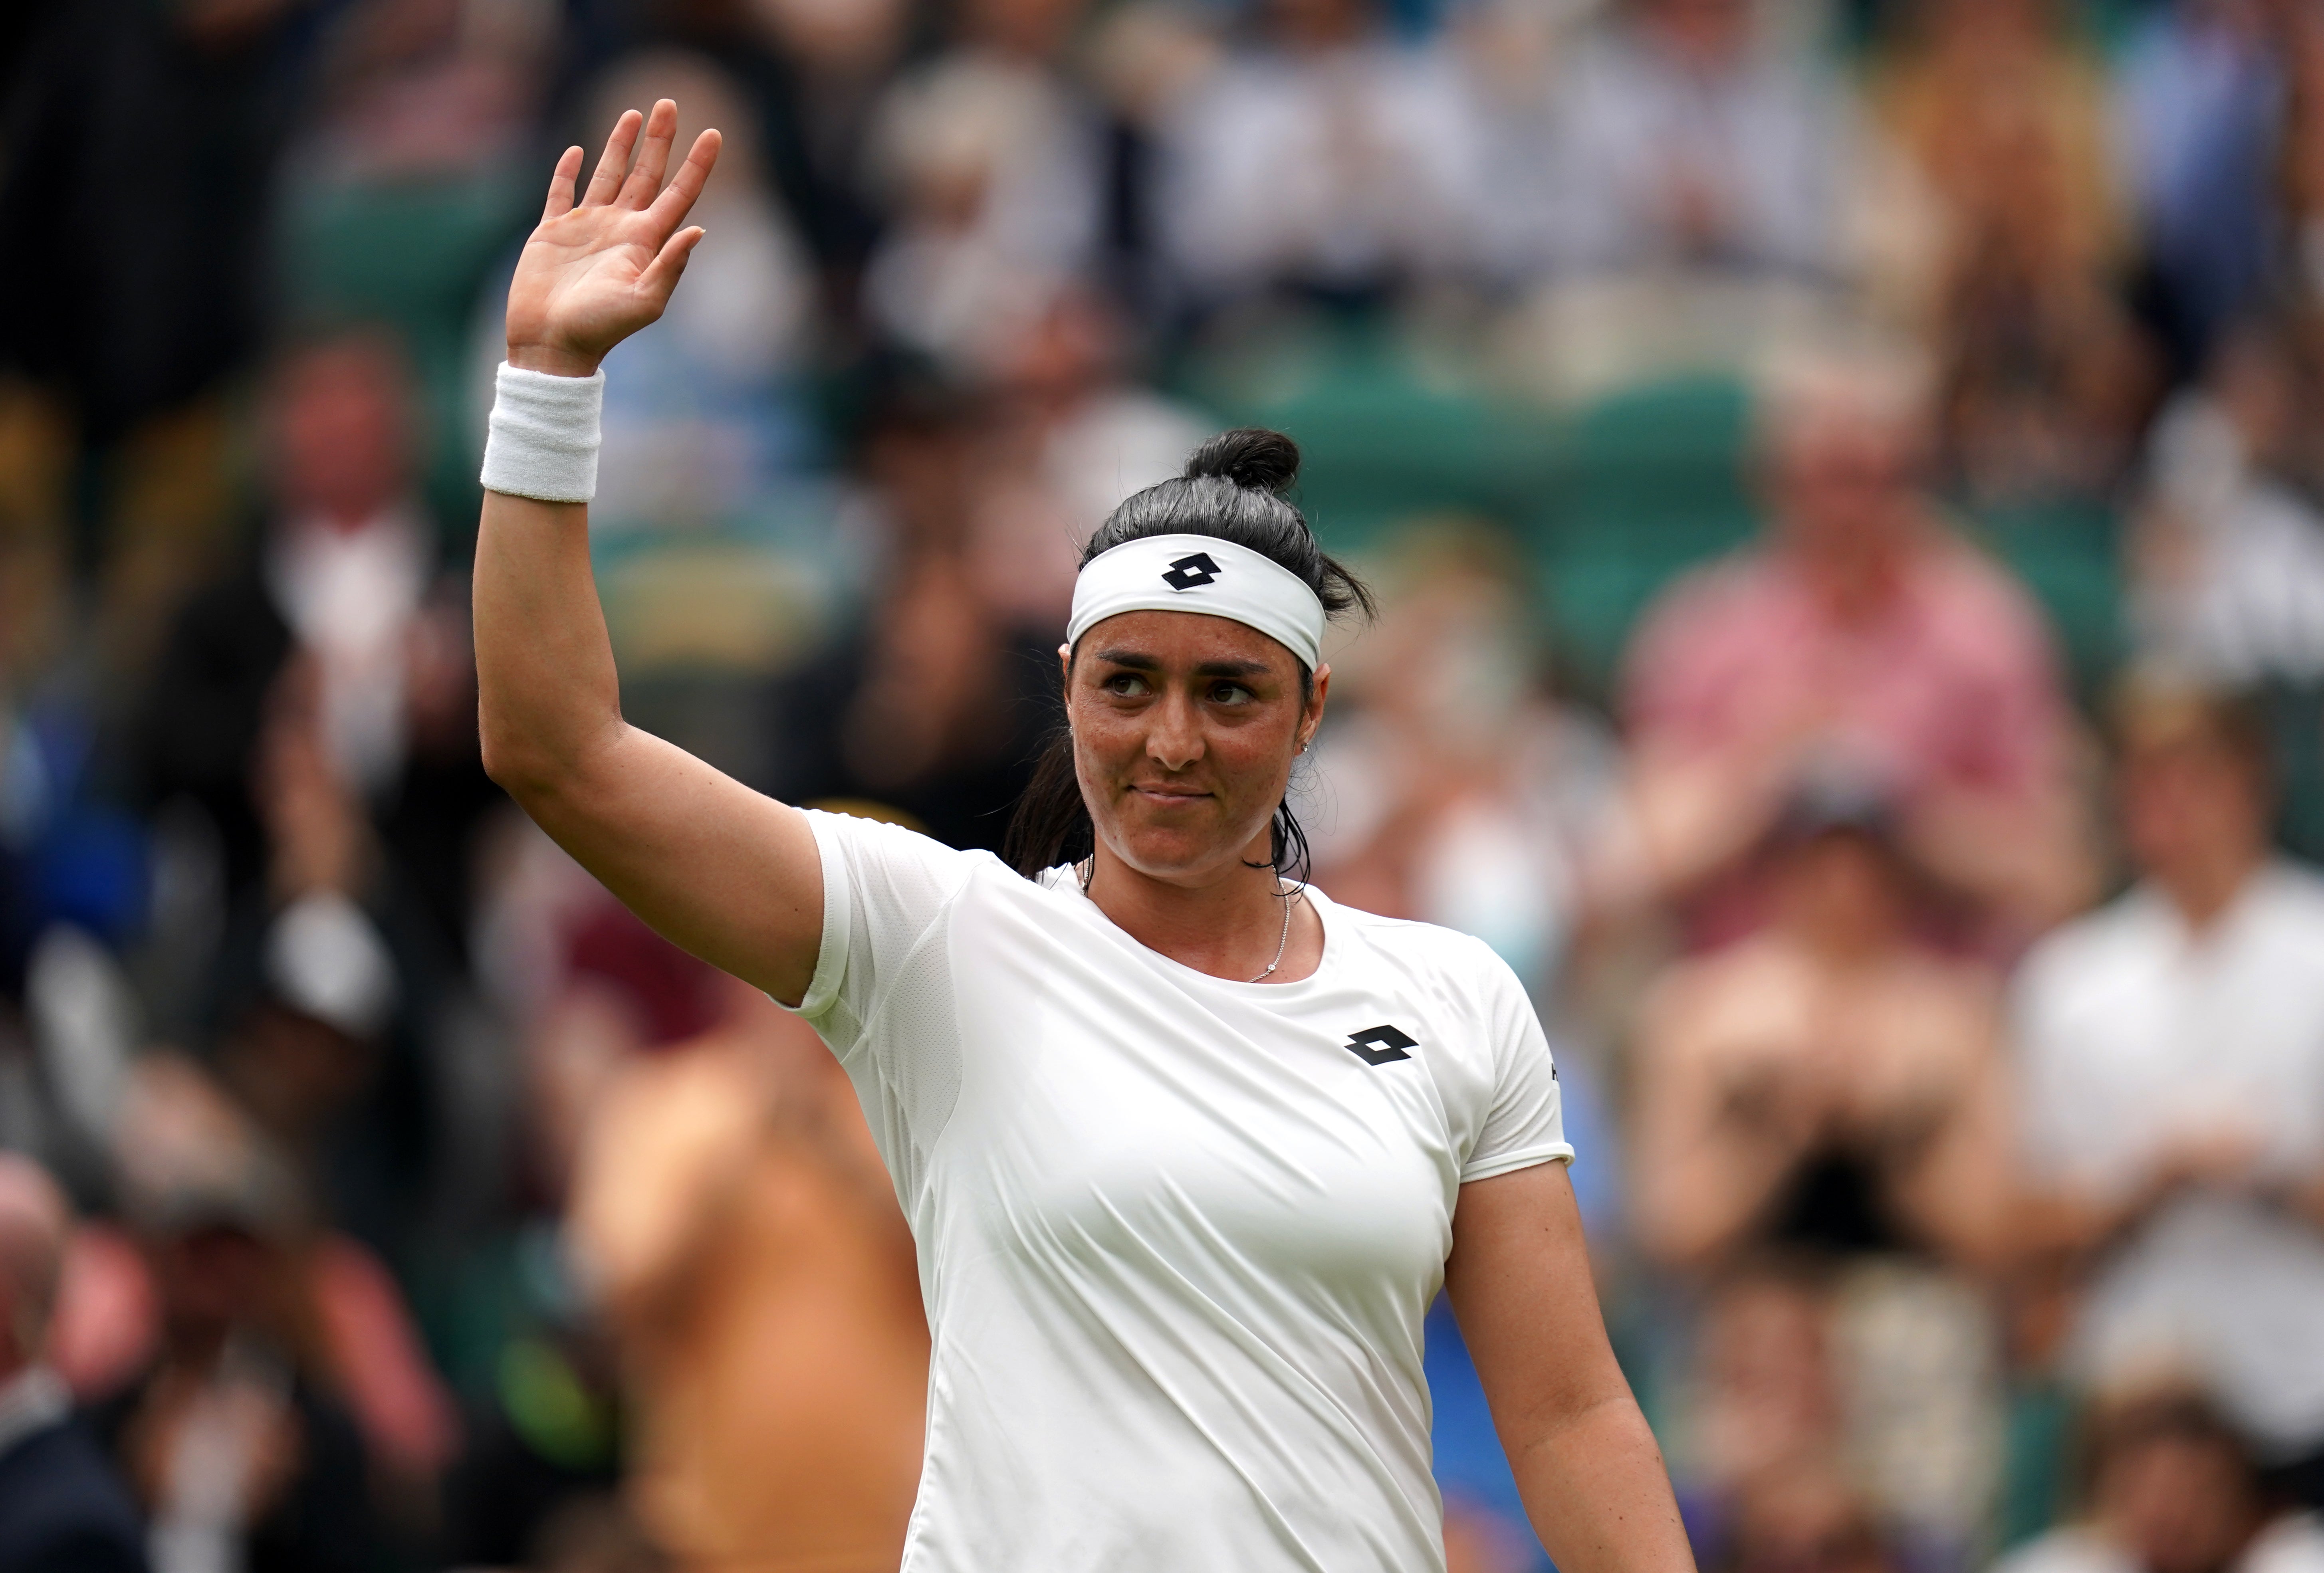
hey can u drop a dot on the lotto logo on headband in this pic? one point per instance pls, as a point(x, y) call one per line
point(1191, 573)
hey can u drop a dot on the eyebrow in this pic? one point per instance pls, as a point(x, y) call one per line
point(1137, 661)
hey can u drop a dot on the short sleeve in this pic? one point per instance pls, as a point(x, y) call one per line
point(1526, 1123)
point(885, 889)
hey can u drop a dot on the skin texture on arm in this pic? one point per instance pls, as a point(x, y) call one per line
point(1589, 1470)
point(721, 872)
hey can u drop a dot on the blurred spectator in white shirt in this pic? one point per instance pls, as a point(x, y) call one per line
point(993, 159)
point(1328, 156)
point(2173, 1074)
point(1686, 137)
point(2228, 569)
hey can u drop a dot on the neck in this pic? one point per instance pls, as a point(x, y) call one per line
point(1230, 925)
point(2202, 888)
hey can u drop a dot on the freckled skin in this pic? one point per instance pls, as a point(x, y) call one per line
point(1185, 730)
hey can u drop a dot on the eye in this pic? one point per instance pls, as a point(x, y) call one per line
point(1128, 684)
point(1230, 693)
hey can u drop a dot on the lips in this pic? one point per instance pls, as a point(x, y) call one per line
point(1169, 795)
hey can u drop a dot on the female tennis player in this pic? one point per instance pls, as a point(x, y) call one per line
point(1187, 1149)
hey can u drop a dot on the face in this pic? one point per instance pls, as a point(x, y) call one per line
point(342, 430)
point(2189, 801)
point(1840, 890)
point(1185, 729)
point(1841, 480)
point(2184, 1503)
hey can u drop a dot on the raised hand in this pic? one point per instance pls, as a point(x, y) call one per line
point(598, 270)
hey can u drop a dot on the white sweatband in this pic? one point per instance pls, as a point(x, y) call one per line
point(1200, 572)
point(542, 441)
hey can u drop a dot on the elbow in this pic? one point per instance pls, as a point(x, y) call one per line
point(517, 764)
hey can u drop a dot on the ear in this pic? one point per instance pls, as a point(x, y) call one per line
point(1313, 716)
point(1065, 661)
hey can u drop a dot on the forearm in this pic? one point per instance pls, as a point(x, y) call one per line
point(547, 690)
point(1596, 1491)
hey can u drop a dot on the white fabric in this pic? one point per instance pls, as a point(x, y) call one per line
point(1176, 1239)
point(1200, 572)
point(2293, 1544)
point(2134, 1033)
point(2245, 601)
point(542, 439)
point(1341, 166)
point(352, 594)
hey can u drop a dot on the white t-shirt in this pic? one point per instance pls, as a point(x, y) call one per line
point(1177, 1234)
point(2133, 1032)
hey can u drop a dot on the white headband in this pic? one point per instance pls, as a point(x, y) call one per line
point(1200, 572)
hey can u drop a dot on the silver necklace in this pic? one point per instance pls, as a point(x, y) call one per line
point(1285, 943)
point(1087, 870)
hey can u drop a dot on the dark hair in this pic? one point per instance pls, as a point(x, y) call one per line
point(1232, 491)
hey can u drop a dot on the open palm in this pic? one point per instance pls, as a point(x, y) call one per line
point(598, 270)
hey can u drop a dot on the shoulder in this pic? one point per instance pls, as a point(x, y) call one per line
point(2293, 1544)
point(2094, 949)
point(1428, 945)
point(1976, 596)
point(1704, 613)
point(1428, 960)
point(2294, 892)
point(62, 1505)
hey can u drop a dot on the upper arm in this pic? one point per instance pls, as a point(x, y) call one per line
point(1520, 1283)
point(720, 871)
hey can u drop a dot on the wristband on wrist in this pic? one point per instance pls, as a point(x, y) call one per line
point(542, 440)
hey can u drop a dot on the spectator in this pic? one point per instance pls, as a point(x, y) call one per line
point(702, 420)
point(731, 1214)
point(228, 1433)
point(2172, 1489)
point(2003, 116)
point(62, 1509)
point(995, 164)
point(1073, 433)
point(1327, 158)
point(935, 704)
point(1685, 140)
point(1828, 1084)
point(1831, 1089)
point(341, 573)
point(1862, 637)
point(2230, 559)
point(1453, 788)
point(2172, 1049)
point(2198, 102)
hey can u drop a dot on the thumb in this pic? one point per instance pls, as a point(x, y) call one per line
point(661, 274)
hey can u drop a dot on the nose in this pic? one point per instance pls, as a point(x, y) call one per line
point(1173, 736)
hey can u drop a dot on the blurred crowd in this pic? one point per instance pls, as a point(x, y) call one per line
point(1846, 481)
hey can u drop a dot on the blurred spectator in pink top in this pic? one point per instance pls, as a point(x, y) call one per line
point(1860, 636)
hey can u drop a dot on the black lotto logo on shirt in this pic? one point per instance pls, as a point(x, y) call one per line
point(1191, 573)
point(1377, 1046)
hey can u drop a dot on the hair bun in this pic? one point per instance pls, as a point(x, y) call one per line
point(1249, 456)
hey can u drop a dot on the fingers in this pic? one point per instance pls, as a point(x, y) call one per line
point(560, 185)
point(669, 209)
point(661, 274)
point(614, 162)
point(653, 157)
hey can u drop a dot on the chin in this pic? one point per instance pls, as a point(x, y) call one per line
point(1164, 851)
